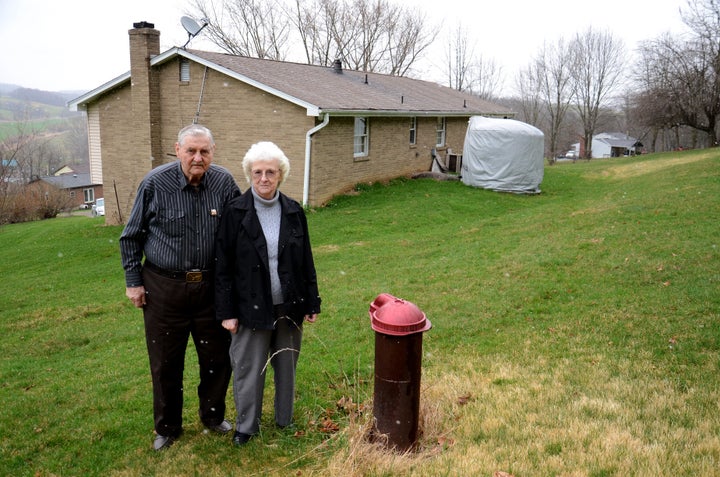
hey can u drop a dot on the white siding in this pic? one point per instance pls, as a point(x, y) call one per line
point(93, 114)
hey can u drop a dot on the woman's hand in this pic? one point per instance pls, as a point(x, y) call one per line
point(231, 325)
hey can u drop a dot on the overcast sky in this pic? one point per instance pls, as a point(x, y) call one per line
point(78, 45)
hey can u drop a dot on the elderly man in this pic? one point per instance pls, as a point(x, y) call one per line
point(172, 225)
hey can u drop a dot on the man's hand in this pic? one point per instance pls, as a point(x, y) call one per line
point(231, 325)
point(136, 295)
point(311, 318)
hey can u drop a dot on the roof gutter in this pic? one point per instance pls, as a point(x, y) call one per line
point(384, 113)
point(308, 142)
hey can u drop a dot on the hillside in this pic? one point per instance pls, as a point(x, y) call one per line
point(42, 110)
point(14, 90)
point(21, 104)
point(574, 333)
point(37, 128)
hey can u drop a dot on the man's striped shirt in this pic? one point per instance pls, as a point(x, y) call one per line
point(173, 223)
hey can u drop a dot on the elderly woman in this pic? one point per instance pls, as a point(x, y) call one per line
point(266, 287)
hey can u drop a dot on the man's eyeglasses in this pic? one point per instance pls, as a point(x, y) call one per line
point(270, 174)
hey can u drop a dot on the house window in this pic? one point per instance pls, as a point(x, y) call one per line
point(89, 195)
point(440, 132)
point(360, 137)
point(184, 70)
point(413, 131)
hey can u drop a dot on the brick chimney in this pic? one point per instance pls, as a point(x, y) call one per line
point(145, 89)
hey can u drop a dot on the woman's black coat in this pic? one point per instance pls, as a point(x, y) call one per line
point(242, 275)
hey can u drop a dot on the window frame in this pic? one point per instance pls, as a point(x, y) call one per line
point(413, 131)
point(361, 142)
point(440, 131)
point(89, 195)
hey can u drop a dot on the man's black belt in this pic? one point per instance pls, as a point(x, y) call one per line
point(188, 276)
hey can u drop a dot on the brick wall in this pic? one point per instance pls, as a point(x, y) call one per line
point(124, 162)
point(390, 155)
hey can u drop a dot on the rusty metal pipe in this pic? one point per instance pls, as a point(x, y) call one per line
point(398, 326)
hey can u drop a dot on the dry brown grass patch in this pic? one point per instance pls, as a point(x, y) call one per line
point(634, 169)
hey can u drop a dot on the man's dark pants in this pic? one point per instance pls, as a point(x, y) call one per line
point(175, 310)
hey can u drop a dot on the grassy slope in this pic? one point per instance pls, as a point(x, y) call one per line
point(574, 333)
point(17, 116)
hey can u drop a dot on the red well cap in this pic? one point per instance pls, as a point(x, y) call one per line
point(394, 316)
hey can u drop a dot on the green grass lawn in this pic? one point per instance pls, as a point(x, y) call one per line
point(575, 333)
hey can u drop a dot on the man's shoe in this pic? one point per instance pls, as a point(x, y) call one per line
point(162, 442)
point(222, 428)
point(240, 439)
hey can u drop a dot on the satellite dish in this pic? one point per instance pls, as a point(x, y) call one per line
point(192, 27)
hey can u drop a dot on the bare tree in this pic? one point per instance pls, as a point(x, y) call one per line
point(680, 85)
point(469, 72)
point(554, 70)
point(655, 105)
point(77, 138)
point(360, 32)
point(407, 39)
point(527, 85)
point(545, 90)
point(486, 77)
point(27, 153)
point(702, 67)
point(703, 18)
point(254, 28)
point(458, 59)
point(367, 35)
point(597, 66)
point(679, 80)
point(314, 30)
point(22, 152)
point(377, 35)
point(11, 156)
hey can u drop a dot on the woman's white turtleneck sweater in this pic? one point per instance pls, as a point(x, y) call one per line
point(269, 213)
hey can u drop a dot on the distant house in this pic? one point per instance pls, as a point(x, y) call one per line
point(338, 127)
point(611, 145)
point(66, 169)
point(79, 187)
point(9, 171)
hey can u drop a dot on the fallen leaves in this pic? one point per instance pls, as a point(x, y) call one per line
point(464, 399)
point(445, 442)
point(327, 424)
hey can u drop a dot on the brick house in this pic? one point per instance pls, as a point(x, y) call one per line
point(338, 127)
point(79, 186)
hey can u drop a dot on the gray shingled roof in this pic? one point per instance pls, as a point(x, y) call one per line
point(352, 91)
point(618, 140)
point(69, 181)
point(322, 89)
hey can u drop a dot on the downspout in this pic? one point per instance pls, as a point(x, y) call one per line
point(308, 142)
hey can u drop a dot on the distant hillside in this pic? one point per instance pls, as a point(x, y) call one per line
point(42, 112)
point(38, 96)
point(22, 104)
point(6, 88)
point(55, 98)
